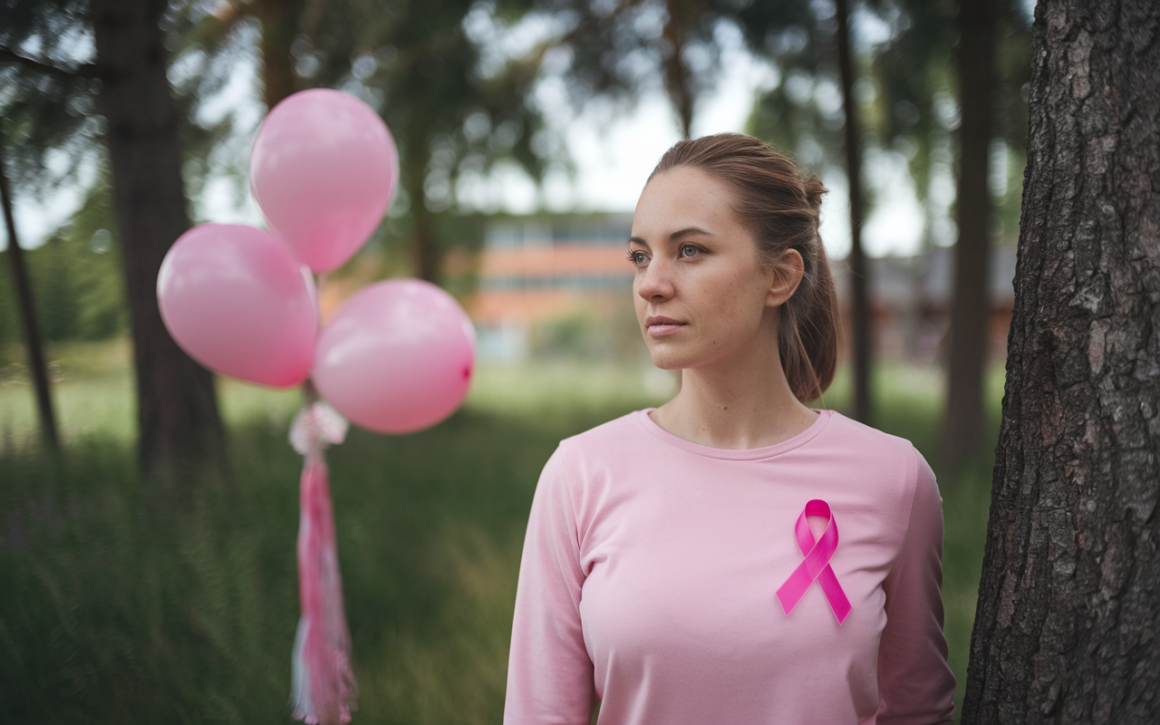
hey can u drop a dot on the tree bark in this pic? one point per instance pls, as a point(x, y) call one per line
point(1066, 629)
point(859, 295)
point(176, 408)
point(32, 338)
point(970, 306)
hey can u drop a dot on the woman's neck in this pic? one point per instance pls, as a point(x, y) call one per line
point(747, 404)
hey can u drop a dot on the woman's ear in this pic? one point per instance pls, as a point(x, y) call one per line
point(787, 275)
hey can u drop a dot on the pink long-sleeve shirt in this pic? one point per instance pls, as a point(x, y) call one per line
point(651, 566)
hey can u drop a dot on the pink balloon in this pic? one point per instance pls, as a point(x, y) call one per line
point(323, 169)
point(238, 302)
point(396, 357)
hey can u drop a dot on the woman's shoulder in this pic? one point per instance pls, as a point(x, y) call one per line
point(885, 472)
point(864, 440)
point(612, 447)
point(613, 434)
point(595, 455)
point(892, 460)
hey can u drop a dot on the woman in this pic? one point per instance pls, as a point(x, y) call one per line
point(663, 573)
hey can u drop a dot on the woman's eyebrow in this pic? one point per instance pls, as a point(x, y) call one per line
point(686, 232)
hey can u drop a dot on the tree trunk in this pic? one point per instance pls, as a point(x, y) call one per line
point(1066, 630)
point(859, 296)
point(970, 307)
point(425, 256)
point(677, 80)
point(36, 361)
point(279, 26)
point(426, 260)
point(917, 324)
point(176, 408)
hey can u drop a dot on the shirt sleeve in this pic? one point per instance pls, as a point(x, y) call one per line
point(915, 682)
point(550, 675)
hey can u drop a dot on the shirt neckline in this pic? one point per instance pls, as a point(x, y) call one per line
point(730, 454)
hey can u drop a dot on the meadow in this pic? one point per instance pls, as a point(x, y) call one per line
point(125, 600)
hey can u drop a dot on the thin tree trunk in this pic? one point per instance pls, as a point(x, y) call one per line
point(859, 295)
point(426, 264)
point(176, 408)
point(279, 26)
point(32, 339)
point(1066, 630)
point(915, 311)
point(676, 72)
point(970, 306)
point(919, 274)
point(425, 258)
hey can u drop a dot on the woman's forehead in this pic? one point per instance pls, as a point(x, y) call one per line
point(681, 198)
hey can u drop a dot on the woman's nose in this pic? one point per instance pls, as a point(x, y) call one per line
point(656, 281)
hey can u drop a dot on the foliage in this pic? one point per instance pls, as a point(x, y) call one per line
point(77, 279)
point(452, 110)
point(454, 105)
point(907, 96)
point(916, 74)
point(803, 113)
point(53, 135)
point(49, 99)
point(456, 82)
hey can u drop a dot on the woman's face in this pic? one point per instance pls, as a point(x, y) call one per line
point(702, 293)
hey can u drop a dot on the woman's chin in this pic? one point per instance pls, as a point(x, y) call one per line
point(667, 361)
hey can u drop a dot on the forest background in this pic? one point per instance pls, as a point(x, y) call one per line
point(140, 592)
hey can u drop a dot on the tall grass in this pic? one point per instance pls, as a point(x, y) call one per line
point(134, 601)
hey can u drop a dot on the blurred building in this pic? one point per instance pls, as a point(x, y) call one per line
point(910, 302)
point(536, 269)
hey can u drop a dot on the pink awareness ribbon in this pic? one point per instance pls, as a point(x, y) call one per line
point(816, 566)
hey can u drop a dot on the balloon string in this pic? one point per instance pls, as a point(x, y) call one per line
point(319, 289)
point(309, 392)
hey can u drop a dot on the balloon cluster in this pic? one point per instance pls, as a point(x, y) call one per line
point(395, 357)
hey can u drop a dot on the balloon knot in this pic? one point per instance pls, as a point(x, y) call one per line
point(317, 426)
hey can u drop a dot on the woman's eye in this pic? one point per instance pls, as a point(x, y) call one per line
point(688, 250)
point(637, 258)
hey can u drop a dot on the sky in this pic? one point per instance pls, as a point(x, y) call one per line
point(613, 154)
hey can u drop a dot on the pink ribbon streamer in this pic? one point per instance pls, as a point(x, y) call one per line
point(324, 688)
point(816, 566)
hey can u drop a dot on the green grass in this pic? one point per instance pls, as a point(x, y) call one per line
point(134, 601)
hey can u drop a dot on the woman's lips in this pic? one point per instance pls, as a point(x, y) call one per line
point(660, 326)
